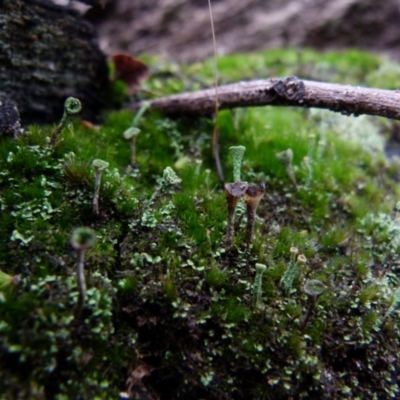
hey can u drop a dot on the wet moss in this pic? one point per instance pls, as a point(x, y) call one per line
point(169, 311)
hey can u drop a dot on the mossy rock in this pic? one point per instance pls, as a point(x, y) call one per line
point(169, 311)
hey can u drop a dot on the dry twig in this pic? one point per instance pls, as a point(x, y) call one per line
point(290, 91)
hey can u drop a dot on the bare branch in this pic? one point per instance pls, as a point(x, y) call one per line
point(289, 91)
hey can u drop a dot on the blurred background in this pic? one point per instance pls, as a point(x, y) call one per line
point(180, 29)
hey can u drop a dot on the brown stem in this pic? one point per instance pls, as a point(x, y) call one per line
point(215, 143)
point(310, 309)
point(252, 198)
point(81, 283)
point(230, 230)
point(251, 220)
point(289, 91)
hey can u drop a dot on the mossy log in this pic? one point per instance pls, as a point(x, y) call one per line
point(48, 53)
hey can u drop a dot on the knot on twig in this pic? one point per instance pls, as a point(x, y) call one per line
point(290, 88)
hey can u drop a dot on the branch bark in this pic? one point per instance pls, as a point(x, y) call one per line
point(290, 91)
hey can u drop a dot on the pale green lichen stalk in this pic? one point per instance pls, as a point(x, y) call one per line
point(81, 240)
point(168, 180)
point(237, 153)
point(233, 193)
point(286, 159)
point(100, 166)
point(286, 282)
point(72, 106)
point(131, 134)
point(143, 108)
point(257, 288)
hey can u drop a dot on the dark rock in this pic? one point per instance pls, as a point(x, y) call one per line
point(48, 53)
point(10, 123)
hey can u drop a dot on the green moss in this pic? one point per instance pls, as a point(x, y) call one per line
point(167, 295)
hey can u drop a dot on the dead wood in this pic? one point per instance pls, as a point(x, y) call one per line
point(290, 91)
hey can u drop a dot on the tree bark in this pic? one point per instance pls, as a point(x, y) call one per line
point(48, 53)
point(290, 91)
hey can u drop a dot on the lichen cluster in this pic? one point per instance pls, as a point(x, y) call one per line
point(168, 312)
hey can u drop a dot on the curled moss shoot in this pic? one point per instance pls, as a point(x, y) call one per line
point(286, 159)
point(237, 153)
point(82, 239)
point(252, 198)
point(257, 288)
point(72, 106)
point(131, 134)
point(100, 166)
point(233, 192)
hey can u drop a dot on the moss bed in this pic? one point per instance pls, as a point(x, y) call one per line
point(170, 313)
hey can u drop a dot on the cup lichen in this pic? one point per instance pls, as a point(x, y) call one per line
point(313, 288)
point(233, 193)
point(99, 166)
point(237, 153)
point(82, 239)
point(257, 287)
point(131, 134)
point(252, 198)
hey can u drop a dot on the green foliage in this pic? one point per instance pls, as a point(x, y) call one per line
point(49, 353)
point(166, 298)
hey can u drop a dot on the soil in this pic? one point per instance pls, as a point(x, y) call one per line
point(181, 29)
